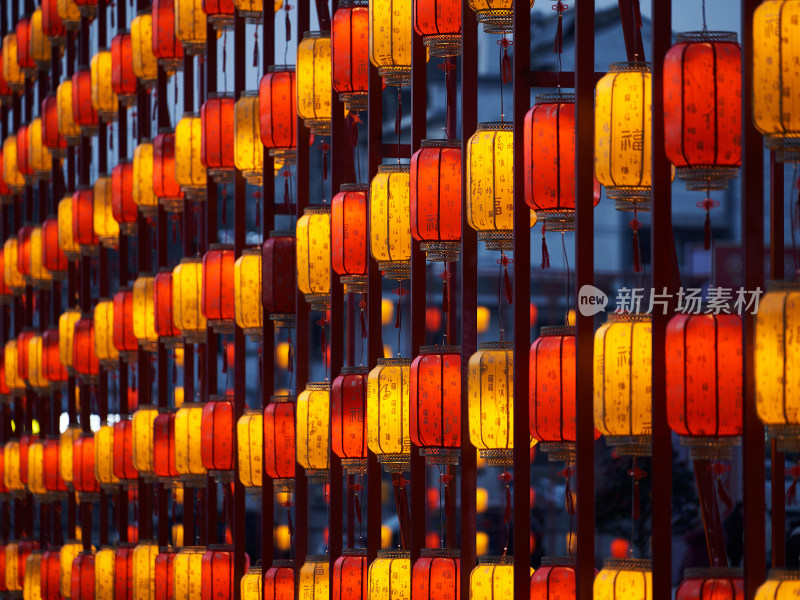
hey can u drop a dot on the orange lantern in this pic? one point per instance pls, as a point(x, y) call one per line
point(279, 442)
point(162, 299)
point(123, 79)
point(51, 575)
point(51, 136)
point(123, 452)
point(53, 25)
point(124, 339)
point(84, 356)
point(165, 184)
point(24, 55)
point(277, 107)
point(349, 235)
point(53, 480)
point(436, 572)
point(6, 194)
point(164, 449)
point(217, 298)
point(83, 220)
point(216, 430)
point(24, 251)
point(220, 13)
point(279, 581)
point(350, 51)
point(53, 257)
point(123, 207)
point(83, 474)
point(6, 91)
point(216, 139)
point(54, 371)
point(439, 24)
point(166, 46)
point(24, 153)
point(348, 422)
point(83, 113)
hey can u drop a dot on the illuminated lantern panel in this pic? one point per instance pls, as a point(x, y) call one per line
point(622, 382)
point(104, 458)
point(36, 471)
point(41, 158)
point(23, 153)
point(40, 44)
point(6, 292)
point(51, 136)
point(220, 13)
point(165, 574)
point(66, 446)
point(53, 480)
point(67, 127)
point(6, 93)
point(53, 28)
point(350, 576)
point(12, 568)
point(143, 420)
point(123, 207)
point(11, 173)
point(11, 467)
point(84, 356)
point(83, 220)
point(387, 412)
point(492, 578)
point(436, 574)
point(252, 584)
point(190, 172)
point(279, 581)
point(163, 322)
point(54, 371)
point(124, 338)
point(187, 571)
point(704, 398)
point(83, 112)
point(278, 279)
point(167, 48)
point(143, 571)
point(390, 576)
point(622, 138)
point(348, 424)
point(36, 377)
point(217, 573)
point(187, 286)
point(164, 449)
point(390, 40)
point(216, 431)
point(247, 293)
point(123, 571)
point(39, 274)
point(11, 68)
point(711, 584)
point(555, 578)
point(277, 108)
point(145, 63)
point(69, 551)
point(165, 182)
point(491, 401)
point(143, 194)
point(14, 382)
point(144, 312)
point(51, 575)
point(279, 442)
point(189, 443)
point(350, 53)
point(104, 561)
point(314, 581)
point(628, 578)
point(250, 432)
point(69, 13)
point(439, 24)
point(123, 452)
point(217, 299)
point(248, 151)
point(314, 256)
point(6, 196)
point(349, 236)
point(24, 252)
point(390, 220)
point(53, 257)
point(83, 474)
point(123, 78)
point(190, 25)
point(24, 56)
point(104, 99)
point(216, 136)
point(66, 238)
point(314, 81)
point(313, 430)
point(105, 225)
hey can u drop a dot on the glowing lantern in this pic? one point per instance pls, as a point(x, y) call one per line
point(104, 562)
point(187, 283)
point(350, 576)
point(190, 25)
point(348, 428)
point(24, 252)
point(11, 174)
point(439, 24)
point(123, 77)
point(70, 15)
point(165, 182)
point(6, 196)
point(165, 574)
point(52, 25)
point(143, 571)
point(32, 585)
point(624, 578)
point(554, 579)
point(51, 136)
point(12, 479)
point(124, 338)
point(11, 69)
point(190, 173)
point(164, 449)
point(220, 13)
point(84, 357)
point(622, 382)
point(106, 227)
point(143, 420)
point(83, 112)
point(187, 572)
point(104, 99)
point(167, 48)
point(53, 370)
point(349, 236)
point(217, 299)
point(216, 136)
point(435, 403)
point(123, 207)
point(11, 562)
point(66, 240)
point(39, 274)
point(23, 153)
point(390, 40)
point(277, 102)
point(248, 151)
point(53, 481)
point(390, 576)
point(247, 293)
point(313, 430)
point(278, 262)
point(36, 377)
point(36, 470)
point(41, 161)
point(711, 584)
point(145, 64)
point(165, 328)
point(217, 573)
point(279, 581)
point(776, 49)
point(24, 56)
point(15, 383)
point(144, 313)
point(69, 551)
point(216, 429)
point(250, 435)
point(53, 258)
point(67, 127)
point(313, 580)
point(40, 44)
point(492, 578)
point(622, 139)
point(350, 53)
point(66, 446)
point(279, 442)
point(387, 412)
point(252, 584)
point(83, 475)
point(491, 401)
point(88, 8)
point(6, 98)
point(189, 443)
point(436, 574)
point(496, 15)
point(51, 575)
point(314, 256)
point(83, 220)
point(314, 81)
point(104, 457)
point(23, 338)
point(143, 194)
point(123, 452)
point(390, 220)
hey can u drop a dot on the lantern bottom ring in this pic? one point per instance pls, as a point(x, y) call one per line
point(89, 250)
point(631, 445)
point(501, 241)
point(127, 228)
point(398, 76)
point(91, 379)
point(442, 46)
point(58, 152)
point(221, 326)
point(789, 151)
point(149, 84)
point(559, 451)
point(222, 476)
point(149, 212)
point(396, 269)
point(88, 11)
point(195, 337)
point(88, 130)
point(354, 101)
point(16, 87)
point(172, 205)
point(221, 22)
point(710, 448)
point(72, 140)
point(126, 99)
point(253, 177)
point(148, 345)
point(110, 488)
point(89, 497)
point(254, 334)
point(254, 491)
point(395, 463)
point(110, 241)
point(319, 301)
point(288, 156)
point(283, 320)
point(251, 16)
point(129, 357)
point(319, 126)
point(441, 251)
point(707, 176)
point(788, 436)
point(356, 284)
point(195, 193)
point(108, 116)
point(41, 176)
point(110, 364)
point(194, 480)
point(220, 175)
point(440, 456)
point(194, 48)
point(169, 482)
point(498, 457)
point(171, 65)
point(355, 465)
point(16, 190)
point(557, 220)
point(499, 20)
point(319, 476)
point(283, 485)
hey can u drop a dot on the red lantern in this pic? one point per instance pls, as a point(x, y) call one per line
point(123, 208)
point(164, 448)
point(3, 586)
point(348, 418)
point(349, 235)
point(165, 185)
point(24, 251)
point(53, 481)
point(124, 339)
point(350, 576)
point(24, 153)
point(166, 47)
point(434, 403)
point(54, 371)
point(6, 293)
point(549, 149)
point(83, 113)
point(23, 339)
point(217, 295)
point(51, 575)
point(25, 548)
point(6, 93)
point(24, 56)
point(3, 487)
point(436, 571)
point(123, 79)
point(217, 573)
point(6, 195)
point(703, 108)
point(277, 108)
point(51, 137)
point(278, 264)
point(216, 139)
point(436, 199)
point(220, 13)
point(53, 257)
point(711, 584)
point(82, 577)
point(164, 574)
point(439, 24)
point(162, 298)
point(52, 25)
point(350, 49)
point(84, 357)
point(83, 220)
point(216, 430)
point(704, 398)
point(24, 445)
point(123, 571)
point(123, 452)
point(555, 578)
point(279, 581)
point(279, 442)
point(83, 477)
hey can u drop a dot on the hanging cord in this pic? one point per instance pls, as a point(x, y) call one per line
point(324, 147)
point(791, 493)
point(362, 307)
point(705, 26)
point(351, 123)
point(505, 70)
point(398, 323)
point(400, 483)
point(559, 7)
point(445, 477)
point(794, 217)
point(545, 252)
point(445, 277)
point(398, 120)
point(635, 473)
point(568, 501)
point(506, 478)
point(224, 60)
point(566, 273)
point(358, 494)
point(255, 47)
point(503, 288)
point(288, 23)
point(635, 226)
point(718, 469)
point(257, 195)
point(323, 324)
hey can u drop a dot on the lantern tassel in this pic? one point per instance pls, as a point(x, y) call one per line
point(636, 474)
point(398, 117)
point(255, 48)
point(224, 50)
point(288, 26)
point(397, 320)
point(325, 148)
point(635, 225)
point(723, 494)
point(174, 373)
point(323, 339)
point(707, 229)
point(506, 73)
point(545, 252)
point(568, 499)
point(362, 305)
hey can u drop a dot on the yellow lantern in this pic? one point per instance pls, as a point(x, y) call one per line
point(250, 437)
point(145, 63)
point(248, 151)
point(781, 583)
point(314, 256)
point(65, 443)
point(187, 280)
point(176, 535)
point(252, 584)
point(188, 443)
point(12, 567)
point(628, 578)
point(107, 353)
point(104, 458)
point(189, 170)
point(36, 469)
point(622, 382)
point(67, 127)
point(390, 220)
point(314, 582)
point(70, 14)
point(491, 402)
point(11, 173)
point(32, 584)
point(104, 100)
point(11, 69)
point(313, 430)
point(776, 80)
point(35, 372)
point(144, 315)
point(387, 412)
point(247, 293)
point(69, 550)
point(66, 239)
point(143, 194)
point(190, 25)
point(142, 433)
point(41, 158)
point(493, 577)
point(11, 275)
point(314, 72)
point(390, 25)
point(143, 571)
point(497, 16)
point(104, 565)
point(187, 572)
point(14, 382)
point(66, 336)
point(390, 576)
point(252, 10)
point(40, 275)
point(11, 466)
point(178, 393)
point(40, 43)
point(105, 225)
point(622, 138)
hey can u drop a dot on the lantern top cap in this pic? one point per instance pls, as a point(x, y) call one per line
point(316, 558)
point(354, 371)
point(317, 210)
point(495, 126)
point(144, 275)
point(451, 349)
point(219, 398)
point(165, 131)
point(628, 318)
point(629, 67)
point(394, 168)
point(283, 564)
point(394, 362)
point(783, 285)
point(558, 561)
point(561, 330)
point(629, 564)
point(276, 233)
point(247, 411)
point(192, 549)
point(191, 115)
point(496, 560)
point(220, 547)
point(440, 144)
point(189, 260)
point(705, 36)
point(249, 94)
point(143, 11)
point(219, 96)
point(145, 141)
point(713, 573)
point(253, 571)
point(354, 551)
point(354, 4)
point(251, 252)
point(353, 187)
point(555, 99)
point(102, 49)
point(440, 553)
point(318, 386)
point(316, 35)
point(223, 247)
point(122, 32)
point(784, 574)
point(496, 346)
point(281, 69)
point(394, 553)
point(282, 399)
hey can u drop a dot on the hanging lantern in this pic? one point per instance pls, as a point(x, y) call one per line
point(220, 13)
point(390, 40)
point(145, 64)
point(41, 161)
point(104, 562)
point(53, 481)
point(32, 585)
point(6, 98)
point(6, 293)
point(53, 26)
point(435, 403)
point(313, 580)
point(11, 275)
point(144, 313)
point(250, 437)
point(15, 383)
point(23, 154)
point(624, 578)
point(11, 468)
point(492, 578)
point(88, 8)
point(66, 239)
point(83, 474)
point(781, 583)
point(36, 472)
point(52, 139)
point(165, 183)
point(252, 584)
point(164, 449)
point(53, 258)
point(189, 443)
point(66, 336)
point(775, 349)
point(279, 442)
point(51, 575)
point(622, 382)
point(143, 194)
point(24, 56)
point(247, 293)
point(277, 107)
point(164, 325)
point(23, 338)
point(216, 431)
point(143, 570)
point(66, 444)
point(439, 24)
point(314, 256)
point(123, 77)
point(348, 426)
point(67, 127)
point(349, 236)
point(187, 569)
point(217, 298)
point(190, 173)
point(167, 48)
point(190, 25)
point(350, 53)
point(187, 284)
point(143, 420)
point(704, 402)
point(491, 402)
point(104, 99)
point(165, 574)
point(6, 196)
point(36, 376)
point(82, 576)
point(124, 338)
point(497, 16)
point(279, 581)
point(436, 574)
point(54, 371)
point(313, 431)
point(703, 108)
point(106, 227)
point(390, 220)
point(217, 573)
point(390, 576)
point(39, 274)
point(69, 551)
point(278, 262)
point(387, 413)
point(83, 220)
point(248, 150)
point(350, 577)
point(622, 139)
point(83, 112)
point(107, 352)
point(84, 357)
point(70, 15)
point(11, 174)
point(711, 584)
point(314, 81)
point(123, 452)
point(11, 69)
point(40, 44)
point(123, 207)
point(776, 51)
point(216, 136)
point(24, 252)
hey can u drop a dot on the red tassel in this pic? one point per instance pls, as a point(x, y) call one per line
point(707, 242)
point(509, 511)
point(362, 305)
point(174, 373)
point(224, 50)
point(507, 286)
point(286, 188)
point(558, 45)
point(506, 73)
point(325, 148)
point(255, 48)
point(358, 508)
point(791, 493)
point(288, 26)
point(133, 378)
point(445, 298)
point(290, 359)
point(545, 253)
point(323, 340)
point(635, 225)
point(398, 117)
point(397, 319)
point(224, 360)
